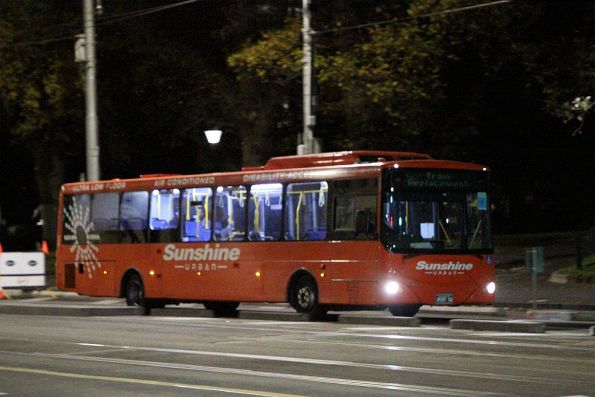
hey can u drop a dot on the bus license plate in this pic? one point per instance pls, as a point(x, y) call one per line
point(444, 299)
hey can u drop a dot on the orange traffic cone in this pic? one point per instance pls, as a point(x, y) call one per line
point(44, 247)
point(3, 294)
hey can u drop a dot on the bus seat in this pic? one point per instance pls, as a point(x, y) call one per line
point(190, 232)
point(316, 234)
point(190, 229)
point(158, 224)
point(204, 234)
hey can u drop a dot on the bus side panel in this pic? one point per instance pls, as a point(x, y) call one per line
point(356, 272)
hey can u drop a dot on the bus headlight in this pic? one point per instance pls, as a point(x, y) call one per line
point(391, 287)
point(491, 287)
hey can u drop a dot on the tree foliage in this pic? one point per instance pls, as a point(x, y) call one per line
point(492, 84)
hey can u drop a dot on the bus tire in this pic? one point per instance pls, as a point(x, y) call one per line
point(134, 291)
point(304, 298)
point(223, 309)
point(404, 310)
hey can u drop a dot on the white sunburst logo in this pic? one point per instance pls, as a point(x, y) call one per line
point(79, 224)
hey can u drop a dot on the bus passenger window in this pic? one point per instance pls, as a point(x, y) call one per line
point(305, 214)
point(105, 218)
point(354, 209)
point(344, 214)
point(133, 215)
point(164, 209)
point(230, 213)
point(197, 214)
point(265, 212)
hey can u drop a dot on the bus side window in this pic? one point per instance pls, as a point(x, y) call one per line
point(305, 211)
point(164, 215)
point(133, 216)
point(264, 213)
point(197, 214)
point(354, 209)
point(105, 218)
point(230, 213)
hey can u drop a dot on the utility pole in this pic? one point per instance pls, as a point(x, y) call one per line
point(309, 143)
point(92, 142)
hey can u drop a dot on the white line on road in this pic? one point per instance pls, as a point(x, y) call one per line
point(277, 375)
point(352, 364)
point(145, 382)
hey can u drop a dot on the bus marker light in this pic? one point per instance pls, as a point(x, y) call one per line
point(491, 287)
point(105, 272)
point(391, 287)
point(257, 274)
point(199, 273)
point(322, 275)
point(152, 273)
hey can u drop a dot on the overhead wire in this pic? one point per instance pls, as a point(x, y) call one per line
point(405, 19)
point(100, 21)
point(134, 14)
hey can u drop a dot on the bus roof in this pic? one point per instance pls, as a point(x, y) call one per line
point(333, 165)
point(336, 158)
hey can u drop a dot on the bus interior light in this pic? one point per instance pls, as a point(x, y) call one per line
point(491, 287)
point(391, 287)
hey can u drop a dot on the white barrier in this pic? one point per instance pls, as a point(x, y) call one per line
point(22, 270)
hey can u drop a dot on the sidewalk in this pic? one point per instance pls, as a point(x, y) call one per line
point(514, 286)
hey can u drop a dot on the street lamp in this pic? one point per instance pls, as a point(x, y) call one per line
point(213, 136)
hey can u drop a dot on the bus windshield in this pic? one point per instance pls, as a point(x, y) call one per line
point(430, 210)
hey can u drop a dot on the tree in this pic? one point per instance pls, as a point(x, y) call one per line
point(483, 84)
point(38, 90)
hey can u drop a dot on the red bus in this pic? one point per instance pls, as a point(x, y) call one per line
point(345, 230)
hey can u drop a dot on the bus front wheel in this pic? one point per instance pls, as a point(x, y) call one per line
point(304, 298)
point(404, 310)
point(135, 293)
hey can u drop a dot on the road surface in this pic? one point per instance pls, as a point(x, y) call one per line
point(180, 356)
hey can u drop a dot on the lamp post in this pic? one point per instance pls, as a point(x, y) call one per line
point(213, 136)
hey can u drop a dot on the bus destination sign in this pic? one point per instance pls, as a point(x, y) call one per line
point(426, 179)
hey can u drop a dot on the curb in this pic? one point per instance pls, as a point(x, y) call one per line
point(182, 312)
point(491, 311)
point(69, 311)
point(272, 316)
point(494, 325)
point(377, 320)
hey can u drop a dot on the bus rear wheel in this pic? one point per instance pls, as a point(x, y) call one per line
point(304, 298)
point(404, 310)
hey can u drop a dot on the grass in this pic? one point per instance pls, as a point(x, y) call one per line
point(585, 274)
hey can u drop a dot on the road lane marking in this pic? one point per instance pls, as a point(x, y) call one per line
point(351, 364)
point(212, 323)
point(275, 375)
point(146, 382)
